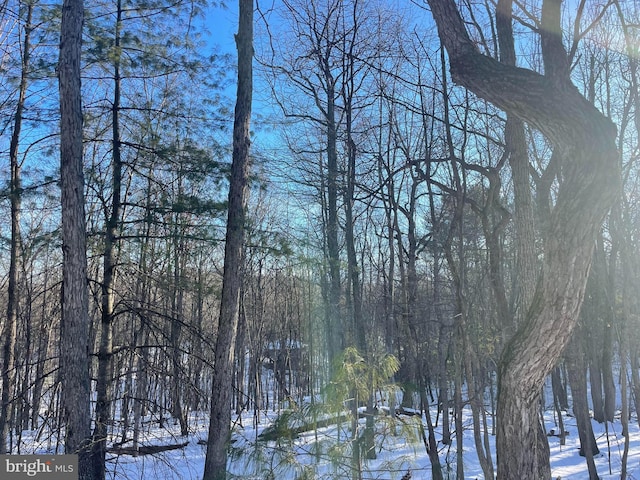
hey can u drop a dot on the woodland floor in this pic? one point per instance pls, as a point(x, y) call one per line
point(324, 454)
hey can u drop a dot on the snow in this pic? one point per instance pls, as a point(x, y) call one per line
point(399, 444)
point(325, 453)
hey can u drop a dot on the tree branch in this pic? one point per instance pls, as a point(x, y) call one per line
point(557, 109)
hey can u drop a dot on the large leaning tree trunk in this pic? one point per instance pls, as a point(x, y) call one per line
point(74, 328)
point(215, 466)
point(585, 140)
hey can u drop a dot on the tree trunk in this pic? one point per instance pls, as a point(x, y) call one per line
point(459, 406)
point(476, 401)
point(44, 334)
point(597, 398)
point(241, 362)
point(13, 298)
point(177, 319)
point(348, 93)
point(517, 153)
point(215, 467)
point(599, 323)
point(74, 328)
point(431, 443)
point(559, 388)
point(335, 337)
point(577, 371)
point(585, 139)
point(444, 346)
point(105, 348)
point(609, 322)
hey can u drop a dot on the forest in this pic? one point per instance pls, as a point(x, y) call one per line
point(357, 217)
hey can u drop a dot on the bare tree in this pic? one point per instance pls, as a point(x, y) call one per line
point(74, 331)
point(585, 139)
point(516, 150)
point(109, 258)
point(10, 327)
point(215, 467)
point(322, 69)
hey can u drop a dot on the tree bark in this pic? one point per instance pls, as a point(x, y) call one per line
point(476, 402)
point(215, 467)
point(586, 141)
point(74, 328)
point(431, 443)
point(516, 151)
point(577, 372)
point(13, 299)
point(105, 348)
point(335, 333)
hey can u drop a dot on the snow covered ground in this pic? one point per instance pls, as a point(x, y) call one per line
point(321, 455)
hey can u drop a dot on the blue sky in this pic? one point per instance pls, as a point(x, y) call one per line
point(222, 23)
